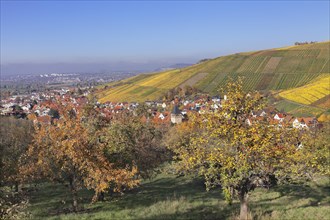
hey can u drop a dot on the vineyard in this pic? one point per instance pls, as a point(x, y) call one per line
point(309, 93)
point(274, 69)
point(147, 88)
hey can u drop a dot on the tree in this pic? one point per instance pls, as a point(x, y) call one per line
point(130, 141)
point(69, 151)
point(187, 90)
point(142, 110)
point(236, 155)
point(315, 151)
point(54, 113)
point(16, 135)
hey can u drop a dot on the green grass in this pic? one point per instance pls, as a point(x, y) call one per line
point(171, 197)
point(307, 111)
point(299, 110)
point(286, 106)
point(274, 69)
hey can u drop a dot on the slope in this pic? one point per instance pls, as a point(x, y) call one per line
point(273, 69)
point(315, 93)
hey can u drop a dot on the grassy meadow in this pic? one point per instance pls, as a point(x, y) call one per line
point(170, 197)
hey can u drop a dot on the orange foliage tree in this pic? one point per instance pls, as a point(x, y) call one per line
point(15, 136)
point(70, 151)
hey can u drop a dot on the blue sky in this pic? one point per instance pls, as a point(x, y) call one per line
point(151, 32)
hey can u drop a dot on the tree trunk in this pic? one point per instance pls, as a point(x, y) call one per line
point(74, 194)
point(101, 196)
point(243, 197)
point(16, 187)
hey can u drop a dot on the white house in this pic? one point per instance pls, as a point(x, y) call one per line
point(279, 117)
point(161, 116)
point(216, 99)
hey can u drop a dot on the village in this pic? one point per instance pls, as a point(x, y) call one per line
point(42, 108)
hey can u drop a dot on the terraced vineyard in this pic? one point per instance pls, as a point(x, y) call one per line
point(149, 87)
point(310, 93)
point(273, 69)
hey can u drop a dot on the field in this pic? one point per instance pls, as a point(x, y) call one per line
point(310, 93)
point(171, 197)
point(273, 69)
point(299, 110)
point(286, 106)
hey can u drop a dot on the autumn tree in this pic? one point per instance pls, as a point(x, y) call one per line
point(142, 110)
point(15, 136)
point(234, 154)
point(314, 151)
point(131, 141)
point(54, 113)
point(68, 151)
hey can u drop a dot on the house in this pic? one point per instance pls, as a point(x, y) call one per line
point(261, 113)
point(215, 106)
point(296, 123)
point(279, 117)
point(216, 99)
point(149, 103)
point(307, 122)
point(184, 111)
point(161, 118)
point(186, 102)
point(248, 121)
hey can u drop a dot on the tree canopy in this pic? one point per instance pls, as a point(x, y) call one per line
point(16, 135)
point(234, 154)
point(70, 151)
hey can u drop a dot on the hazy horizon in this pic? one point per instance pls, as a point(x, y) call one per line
point(97, 67)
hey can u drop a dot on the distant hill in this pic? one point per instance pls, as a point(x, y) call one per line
point(180, 65)
point(272, 69)
point(174, 66)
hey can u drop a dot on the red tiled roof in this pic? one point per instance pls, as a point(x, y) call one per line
point(46, 119)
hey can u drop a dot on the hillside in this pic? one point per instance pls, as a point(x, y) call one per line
point(316, 93)
point(273, 69)
point(312, 99)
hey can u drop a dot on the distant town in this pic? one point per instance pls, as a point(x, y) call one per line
point(22, 84)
